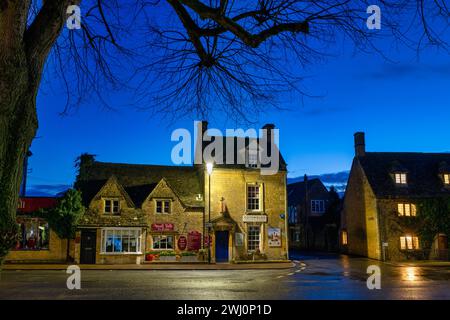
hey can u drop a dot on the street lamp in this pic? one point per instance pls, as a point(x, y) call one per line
point(209, 169)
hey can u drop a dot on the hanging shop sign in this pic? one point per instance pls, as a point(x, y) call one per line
point(163, 227)
point(182, 243)
point(274, 237)
point(254, 218)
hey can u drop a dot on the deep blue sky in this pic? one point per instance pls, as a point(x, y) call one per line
point(402, 106)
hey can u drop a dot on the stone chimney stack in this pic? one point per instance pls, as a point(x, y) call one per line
point(269, 127)
point(360, 144)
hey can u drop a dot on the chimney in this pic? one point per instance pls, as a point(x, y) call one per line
point(201, 127)
point(360, 144)
point(269, 127)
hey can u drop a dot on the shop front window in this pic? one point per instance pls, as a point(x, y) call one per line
point(121, 240)
point(34, 234)
point(163, 243)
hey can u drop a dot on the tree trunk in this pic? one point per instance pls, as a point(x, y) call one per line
point(18, 125)
point(68, 259)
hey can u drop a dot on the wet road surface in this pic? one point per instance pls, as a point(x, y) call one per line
point(314, 277)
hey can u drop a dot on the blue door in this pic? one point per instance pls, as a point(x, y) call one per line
point(222, 246)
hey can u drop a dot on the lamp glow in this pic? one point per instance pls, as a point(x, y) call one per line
point(209, 167)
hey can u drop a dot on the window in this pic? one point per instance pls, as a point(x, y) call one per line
point(112, 206)
point(121, 240)
point(34, 234)
point(254, 197)
point(400, 178)
point(447, 179)
point(344, 237)
point(253, 237)
point(317, 206)
point(407, 209)
point(292, 214)
point(409, 243)
point(163, 206)
point(163, 242)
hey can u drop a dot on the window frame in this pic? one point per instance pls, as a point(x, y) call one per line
point(409, 242)
point(446, 179)
point(111, 206)
point(260, 196)
point(402, 209)
point(402, 178)
point(251, 238)
point(314, 203)
point(104, 236)
point(163, 207)
point(161, 236)
point(36, 225)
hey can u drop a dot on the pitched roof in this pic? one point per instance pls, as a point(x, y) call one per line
point(297, 191)
point(139, 180)
point(236, 142)
point(422, 168)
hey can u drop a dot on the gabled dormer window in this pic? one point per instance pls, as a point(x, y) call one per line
point(400, 178)
point(111, 206)
point(163, 206)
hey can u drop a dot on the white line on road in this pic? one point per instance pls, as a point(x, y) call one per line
point(290, 274)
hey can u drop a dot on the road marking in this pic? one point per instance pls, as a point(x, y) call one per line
point(298, 271)
point(302, 264)
point(280, 277)
point(296, 261)
point(290, 274)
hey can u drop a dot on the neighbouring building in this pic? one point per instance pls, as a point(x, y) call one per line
point(312, 225)
point(37, 242)
point(380, 210)
point(145, 212)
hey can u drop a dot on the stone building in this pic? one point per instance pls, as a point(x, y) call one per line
point(137, 212)
point(37, 242)
point(380, 210)
point(311, 224)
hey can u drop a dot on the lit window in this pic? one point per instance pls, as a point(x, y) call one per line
point(163, 242)
point(407, 209)
point(34, 234)
point(112, 206)
point(121, 240)
point(344, 237)
point(163, 206)
point(409, 243)
point(253, 238)
point(317, 206)
point(253, 197)
point(447, 179)
point(400, 178)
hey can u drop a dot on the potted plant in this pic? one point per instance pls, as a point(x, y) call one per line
point(152, 256)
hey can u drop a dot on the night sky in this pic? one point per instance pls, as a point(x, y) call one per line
point(402, 105)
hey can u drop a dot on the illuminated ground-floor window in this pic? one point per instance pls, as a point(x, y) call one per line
point(409, 242)
point(253, 238)
point(121, 240)
point(34, 234)
point(344, 237)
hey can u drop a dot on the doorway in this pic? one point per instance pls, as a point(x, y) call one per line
point(222, 246)
point(88, 246)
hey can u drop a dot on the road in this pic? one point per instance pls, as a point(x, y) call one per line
point(322, 277)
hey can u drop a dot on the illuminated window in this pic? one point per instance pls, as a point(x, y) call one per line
point(344, 237)
point(34, 234)
point(407, 209)
point(400, 178)
point(409, 243)
point(112, 206)
point(121, 240)
point(253, 197)
point(447, 179)
point(163, 206)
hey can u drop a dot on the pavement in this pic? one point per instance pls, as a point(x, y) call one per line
point(312, 276)
point(156, 266)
